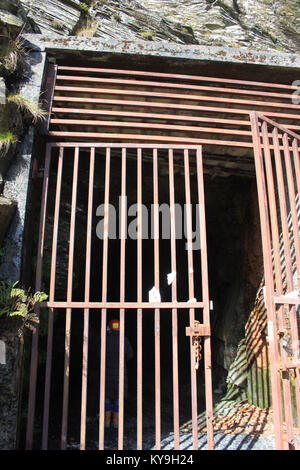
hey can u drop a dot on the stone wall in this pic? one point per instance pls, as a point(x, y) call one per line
point(15, 168)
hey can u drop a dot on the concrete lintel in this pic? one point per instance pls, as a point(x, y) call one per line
point(163, 49)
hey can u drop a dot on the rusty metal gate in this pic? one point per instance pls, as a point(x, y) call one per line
point(198, 328)
point(276, 151)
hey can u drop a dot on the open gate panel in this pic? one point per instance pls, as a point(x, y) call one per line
point(278, 180)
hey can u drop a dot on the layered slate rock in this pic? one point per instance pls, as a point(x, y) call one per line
point(54, 17)
point(131, 20)
point(260, 24)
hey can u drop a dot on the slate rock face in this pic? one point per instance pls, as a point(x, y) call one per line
point(260, 24)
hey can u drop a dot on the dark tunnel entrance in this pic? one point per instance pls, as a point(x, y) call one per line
point(230, 215)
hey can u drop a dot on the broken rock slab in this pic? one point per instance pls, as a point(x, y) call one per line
point(10, 24)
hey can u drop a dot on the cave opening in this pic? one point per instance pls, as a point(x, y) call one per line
point(231, 210)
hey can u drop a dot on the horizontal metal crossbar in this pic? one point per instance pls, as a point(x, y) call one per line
point(136, 99)
point(124, 305)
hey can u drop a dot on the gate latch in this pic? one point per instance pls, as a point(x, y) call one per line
point(197, 331)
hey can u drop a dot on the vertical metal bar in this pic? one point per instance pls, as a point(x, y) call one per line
point(191, 296)
point(122, 299)
point(48, 95)
point(283, 209)
point(296, 239)
point(205, 299)
point(87, 298)
point(139, 298)
point(157, 312)
point(38, 283)
point(296, 345)
point(273, 209)
point(104, 299)
point(275, 239)
point(69, 298)
point(296, 160)
point(289, 276)
point(174, 299)
point(51, 298)
point(267, 250)
point(292, 198)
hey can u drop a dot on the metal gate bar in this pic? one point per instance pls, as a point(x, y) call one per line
point(69, 298)
point(104, 299)
point(51, 297)
point(139, 298)
point(157, 311)
point(206, 306)
point(34, 344)
point(191, 296)
point(281, 249)
point(122, 305)
point(122, 299)
point(86, 298)
point(174, 299)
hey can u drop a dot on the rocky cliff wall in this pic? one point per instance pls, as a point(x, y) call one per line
point(261, 24)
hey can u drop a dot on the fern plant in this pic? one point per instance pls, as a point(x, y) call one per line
point(16, 302)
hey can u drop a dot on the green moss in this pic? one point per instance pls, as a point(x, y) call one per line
point(186, 30)
point(116, 16)
point(84, 7)
point(149, 35)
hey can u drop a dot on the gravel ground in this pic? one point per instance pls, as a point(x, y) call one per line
point(223, 442)
point(229, 433)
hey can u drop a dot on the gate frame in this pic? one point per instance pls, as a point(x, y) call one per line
point(267, 209)
point(194, 331)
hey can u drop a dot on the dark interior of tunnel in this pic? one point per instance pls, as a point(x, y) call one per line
point(229, 212)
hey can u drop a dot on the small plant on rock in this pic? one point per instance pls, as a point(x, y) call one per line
point(148, 35)
point(6, 140)
point(35, 111)
point(57, 25)
point(84, 7)
point(17, 308)
point(13, 57)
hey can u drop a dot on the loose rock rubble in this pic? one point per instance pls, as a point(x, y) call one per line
point(248, 419)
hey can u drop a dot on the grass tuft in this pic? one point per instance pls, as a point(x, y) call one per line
point(6, 140)
point(36, 112)
point(14, 56)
